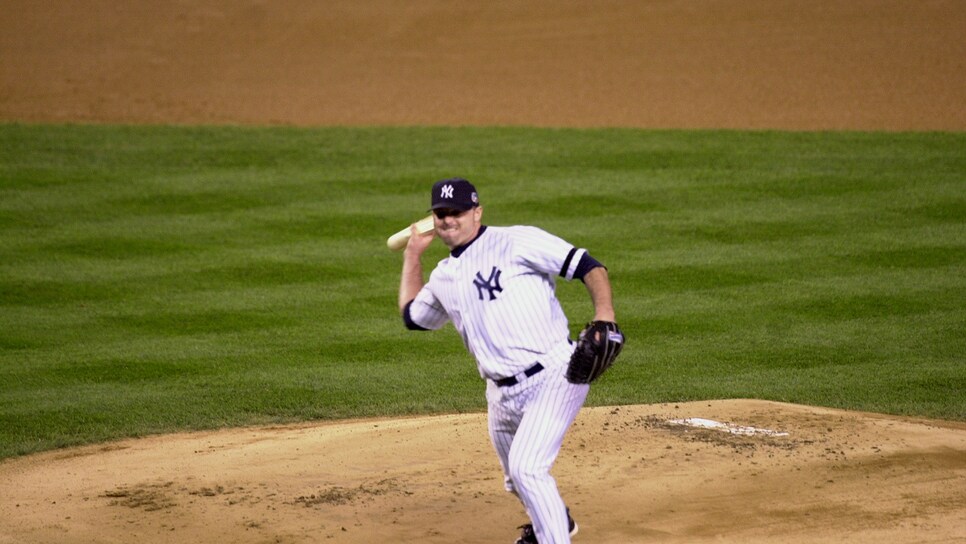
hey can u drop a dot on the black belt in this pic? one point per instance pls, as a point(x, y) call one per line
point(512, 380)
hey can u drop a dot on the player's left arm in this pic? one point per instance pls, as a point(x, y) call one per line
point(601, 340)
point(598, 285)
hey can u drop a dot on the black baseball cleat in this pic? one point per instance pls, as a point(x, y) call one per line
point(527, 536)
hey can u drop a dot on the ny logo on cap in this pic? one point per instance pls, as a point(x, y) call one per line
point(446, 192)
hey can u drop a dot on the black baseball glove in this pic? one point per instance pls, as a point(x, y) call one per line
point(597, 346)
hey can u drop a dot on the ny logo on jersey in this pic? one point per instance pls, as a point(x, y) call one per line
point(491, 284)
point(446, 191)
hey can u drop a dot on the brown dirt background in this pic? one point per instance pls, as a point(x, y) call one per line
point(786, 64)
point(628, 474)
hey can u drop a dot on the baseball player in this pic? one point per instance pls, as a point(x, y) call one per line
point(497, 289)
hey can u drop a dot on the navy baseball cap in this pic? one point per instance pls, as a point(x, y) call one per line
point(454, 193)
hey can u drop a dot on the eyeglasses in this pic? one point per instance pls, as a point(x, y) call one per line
point(443, 213)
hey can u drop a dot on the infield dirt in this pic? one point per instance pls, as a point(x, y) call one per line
point(629, 473)
point(819, 65)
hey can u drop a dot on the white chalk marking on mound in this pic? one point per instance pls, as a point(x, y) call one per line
point(726, 427)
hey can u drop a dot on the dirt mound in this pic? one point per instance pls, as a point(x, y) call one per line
point(722, 471)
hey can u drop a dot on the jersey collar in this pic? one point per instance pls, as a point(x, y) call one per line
point(457, 251)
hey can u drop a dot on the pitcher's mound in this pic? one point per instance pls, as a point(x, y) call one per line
point(716, 471)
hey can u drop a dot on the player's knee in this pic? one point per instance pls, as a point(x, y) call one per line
point(525, 475)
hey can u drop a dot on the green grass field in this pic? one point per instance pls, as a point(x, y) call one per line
point(155, 279)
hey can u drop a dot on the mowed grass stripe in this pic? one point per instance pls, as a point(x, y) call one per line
point(164, 278)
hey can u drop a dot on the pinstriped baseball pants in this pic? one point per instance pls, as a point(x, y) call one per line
point(527, 423)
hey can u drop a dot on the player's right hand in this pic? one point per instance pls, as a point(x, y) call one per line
point(418, 242)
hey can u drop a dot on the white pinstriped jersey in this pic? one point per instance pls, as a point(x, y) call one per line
point(498, 291)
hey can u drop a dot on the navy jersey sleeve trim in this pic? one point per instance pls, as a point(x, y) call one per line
point(408, 319)
point(566, 264)
point(586, 264)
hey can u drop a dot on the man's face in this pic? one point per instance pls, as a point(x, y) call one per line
point(455, 227)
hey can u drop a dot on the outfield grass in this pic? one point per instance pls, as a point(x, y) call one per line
point(154, 279)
